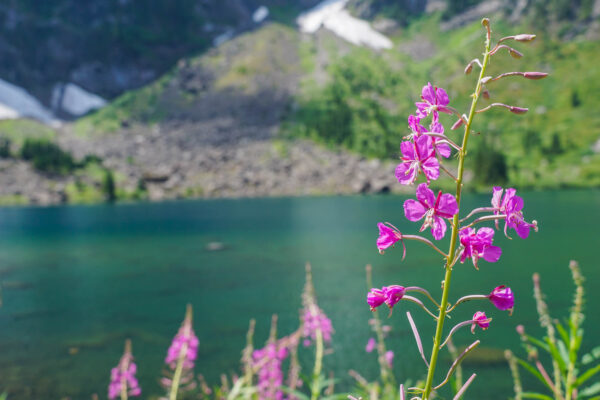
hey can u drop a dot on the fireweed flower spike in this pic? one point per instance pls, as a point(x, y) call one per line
point(433, 208)
point(270, 374)
point(511, 206)
point(416, 157)
point(478, 244)
point(181, 356)
point(314, 319)
point(434, 100)
point(123, 382)
point(420, 154)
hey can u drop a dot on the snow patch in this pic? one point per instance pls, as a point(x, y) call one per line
point(16, 102)
point(260, 14)
point(332, 15)
point(75, 100)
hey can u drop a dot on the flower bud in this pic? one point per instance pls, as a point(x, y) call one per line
point(486, 94)
point(480, 320)
point(469, 68)
point(457, 124)
point(520, 330)
point(534, 75)
point(518, 110)
point(485, 22)
point(524, 37)
point(514, 53)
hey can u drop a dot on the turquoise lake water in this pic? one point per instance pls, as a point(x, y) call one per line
point(78, 280)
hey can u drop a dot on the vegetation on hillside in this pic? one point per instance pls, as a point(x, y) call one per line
point(361, 104)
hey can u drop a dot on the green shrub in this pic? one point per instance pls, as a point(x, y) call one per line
point(47, 156)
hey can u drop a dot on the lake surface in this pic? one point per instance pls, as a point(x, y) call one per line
point(79, 280)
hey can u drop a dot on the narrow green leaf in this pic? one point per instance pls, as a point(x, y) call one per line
point(590, 390)
point(532, 395)
point(296, 393)
point(587, 375)
point(561, 358)
point(587, 358)
point(563, 333)
point(538, 343)
point(532, 370)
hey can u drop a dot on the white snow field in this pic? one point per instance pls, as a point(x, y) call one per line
point(75, 100)
point(332, 15)
point(16, 102)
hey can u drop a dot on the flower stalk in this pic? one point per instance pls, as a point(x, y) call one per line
point(455, 222)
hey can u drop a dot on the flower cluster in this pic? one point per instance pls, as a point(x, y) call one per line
point(268, 361)
point(510, 206)
point(122, 377)
point(184, 346)
point(181, 358)
point(313, 320)
point(422, 151)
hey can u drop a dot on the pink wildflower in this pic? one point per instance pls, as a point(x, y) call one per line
point(371, 343)
point(389, 358)
point(270, 375)
point(417, 156)
point(417, 130)
point(434, 209)
point(502, 297)
point(315, 319)
point(442, 149)
point(390, 295)
point(184, 345)
point(480, 320)
point(478, 244)
point(414, 123)
point(511, 206)
point(122, 377)
point(375, 298)
point(388, 236)
point(434, 100)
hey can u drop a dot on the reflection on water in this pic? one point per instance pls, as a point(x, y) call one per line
point(77, 281)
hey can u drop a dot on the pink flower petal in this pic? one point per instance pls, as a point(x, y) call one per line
point(438, 228)
point(414, 210)
point(425, 195)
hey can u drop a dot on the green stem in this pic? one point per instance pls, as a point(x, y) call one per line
point(455, 227)
point(178, 371)
point(575, 321)
point(316, 385)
